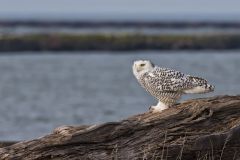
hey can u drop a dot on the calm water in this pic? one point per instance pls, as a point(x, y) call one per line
point(22, 30)
point(41, 92)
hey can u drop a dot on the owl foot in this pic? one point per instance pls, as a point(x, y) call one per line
point(159, 107)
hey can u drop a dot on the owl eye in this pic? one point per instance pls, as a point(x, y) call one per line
point(142, 64)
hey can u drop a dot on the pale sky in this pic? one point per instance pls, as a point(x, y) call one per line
point(110, 8)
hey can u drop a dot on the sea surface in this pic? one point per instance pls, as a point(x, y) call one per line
point(27, 30)
point(41, 91)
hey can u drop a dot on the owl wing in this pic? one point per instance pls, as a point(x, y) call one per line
point(164, 79)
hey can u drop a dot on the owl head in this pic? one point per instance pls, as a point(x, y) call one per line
point(142, 66)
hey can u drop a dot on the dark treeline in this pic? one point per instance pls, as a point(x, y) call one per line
point(95, 24)
point(119, 42)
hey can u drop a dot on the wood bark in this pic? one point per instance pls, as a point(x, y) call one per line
point(200, 129)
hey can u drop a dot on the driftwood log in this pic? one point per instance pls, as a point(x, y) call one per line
point(200, 129)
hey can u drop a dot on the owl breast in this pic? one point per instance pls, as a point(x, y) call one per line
point(158, 90)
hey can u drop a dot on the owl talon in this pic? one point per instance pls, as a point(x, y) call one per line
point(153, 109)
point(158, 108)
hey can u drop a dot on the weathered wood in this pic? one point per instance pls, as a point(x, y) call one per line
point(7, 143)
point(200, 129)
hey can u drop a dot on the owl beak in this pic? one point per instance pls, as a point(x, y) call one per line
point(136, 66)
point(138, 69)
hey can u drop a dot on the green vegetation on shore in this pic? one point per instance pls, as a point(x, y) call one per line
point(115, 42)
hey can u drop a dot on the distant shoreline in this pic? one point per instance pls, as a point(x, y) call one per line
point(119, 42)
point(96, 24)
point(119, 39)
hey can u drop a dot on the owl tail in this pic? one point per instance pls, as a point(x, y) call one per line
point(200, 85)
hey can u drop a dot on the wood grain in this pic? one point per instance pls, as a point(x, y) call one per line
point(207, 128)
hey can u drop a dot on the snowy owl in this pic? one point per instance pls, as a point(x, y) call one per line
point(167, 85)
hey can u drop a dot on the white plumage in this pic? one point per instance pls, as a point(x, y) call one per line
point(167, 85)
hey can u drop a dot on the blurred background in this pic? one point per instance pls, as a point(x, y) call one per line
point(68, 62)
